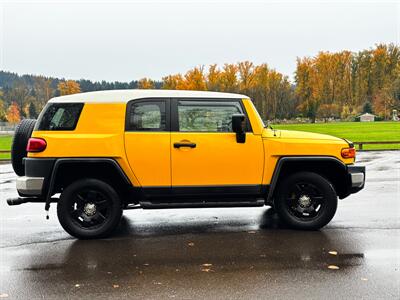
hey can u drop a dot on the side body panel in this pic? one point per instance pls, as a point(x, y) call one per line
point(99, 133)
point(217, 159)
point(149, 156)
point(305, 144)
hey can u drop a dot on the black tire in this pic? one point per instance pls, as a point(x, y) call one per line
point(306, 201)
point(75, 209)
point(18, 148)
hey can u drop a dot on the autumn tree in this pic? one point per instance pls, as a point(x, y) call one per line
point(330, 84)
point(213, 79)
point(146, 84)
point(13, 114)
point(194, 80)
point(172, 82)
point(3, 112)
point(68, 87)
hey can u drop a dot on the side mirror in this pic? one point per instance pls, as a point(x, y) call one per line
point(238, 126)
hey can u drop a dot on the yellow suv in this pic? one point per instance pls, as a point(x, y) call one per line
point(98, 153)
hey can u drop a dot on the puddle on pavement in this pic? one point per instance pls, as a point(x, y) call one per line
point(383, 254)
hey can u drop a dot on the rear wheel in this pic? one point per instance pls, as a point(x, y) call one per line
point(306, 200)
point(89, 208)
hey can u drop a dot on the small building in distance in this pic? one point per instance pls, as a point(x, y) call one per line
point(367, 117)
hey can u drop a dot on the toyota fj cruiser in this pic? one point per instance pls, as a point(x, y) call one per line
point(97, 153)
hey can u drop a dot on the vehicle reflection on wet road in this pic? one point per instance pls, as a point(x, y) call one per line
point(217, 253)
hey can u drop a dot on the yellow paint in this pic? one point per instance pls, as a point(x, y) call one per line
point(217, 159)
point(278, 143)
point(149, 158)
point(257, 124)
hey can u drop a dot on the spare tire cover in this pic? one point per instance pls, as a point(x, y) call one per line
point(18, 148)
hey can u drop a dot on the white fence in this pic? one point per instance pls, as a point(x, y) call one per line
point(7, 128)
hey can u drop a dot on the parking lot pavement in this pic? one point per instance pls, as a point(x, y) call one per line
point(224, 253)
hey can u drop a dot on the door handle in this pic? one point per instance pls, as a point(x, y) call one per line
point(190, 145)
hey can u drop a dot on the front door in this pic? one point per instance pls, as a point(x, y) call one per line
point(204, 151)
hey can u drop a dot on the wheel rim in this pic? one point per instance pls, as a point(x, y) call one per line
point(90, 208)
point(305, 201)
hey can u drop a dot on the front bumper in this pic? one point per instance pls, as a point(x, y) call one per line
point(356, 178)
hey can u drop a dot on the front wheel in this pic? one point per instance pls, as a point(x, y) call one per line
point(89, 208)
point(306, 200)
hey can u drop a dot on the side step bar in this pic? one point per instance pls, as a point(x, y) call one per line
point(238, 203)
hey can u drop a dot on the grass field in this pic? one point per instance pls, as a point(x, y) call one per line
point(5, 144)
point(353, 131)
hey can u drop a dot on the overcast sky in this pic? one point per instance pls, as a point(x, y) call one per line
point(126, 40)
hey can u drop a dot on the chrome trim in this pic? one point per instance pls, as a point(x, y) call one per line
point(357, 179)
point(30, 185)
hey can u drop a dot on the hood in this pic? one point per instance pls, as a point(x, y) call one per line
point(294, 134)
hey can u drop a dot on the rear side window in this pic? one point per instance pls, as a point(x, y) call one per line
point(147, 116)
point(59, 116)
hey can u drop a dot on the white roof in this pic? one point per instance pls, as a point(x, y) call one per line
point(123, 96)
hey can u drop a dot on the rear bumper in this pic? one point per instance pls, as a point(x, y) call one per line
point(30, 186)
point(37, 177)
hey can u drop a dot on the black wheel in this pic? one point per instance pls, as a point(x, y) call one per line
point(89, 208)
point(18, 148)
point(306, 200)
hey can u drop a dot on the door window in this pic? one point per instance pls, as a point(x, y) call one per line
point(149, 116)
point(207, 116)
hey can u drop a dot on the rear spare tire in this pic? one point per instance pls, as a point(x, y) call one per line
point(18, 148)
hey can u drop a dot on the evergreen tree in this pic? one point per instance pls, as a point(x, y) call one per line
point(32, 111)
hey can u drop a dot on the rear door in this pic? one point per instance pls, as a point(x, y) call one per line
point(204, 151)
point(147, 141)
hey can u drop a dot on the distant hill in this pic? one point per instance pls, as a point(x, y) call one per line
point(10, 80)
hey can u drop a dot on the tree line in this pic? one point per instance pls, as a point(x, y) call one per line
point(329, 85)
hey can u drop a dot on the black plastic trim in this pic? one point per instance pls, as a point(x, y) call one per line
point(61, 161)
point(221, 191)
point(179, 145)
point(355, 169)
point(289, 159)
point(39, 167)
point(203, 204)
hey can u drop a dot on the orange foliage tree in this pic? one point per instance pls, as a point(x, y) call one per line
point(68, 87)
point(146, 84)
point(13, 115)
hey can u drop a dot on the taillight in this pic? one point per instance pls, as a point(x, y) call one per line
point(349, 152)
point(36, 145)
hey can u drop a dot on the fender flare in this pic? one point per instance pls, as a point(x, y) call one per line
point(290, 159)
point(62, 161)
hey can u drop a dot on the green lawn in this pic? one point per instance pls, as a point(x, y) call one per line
point(354, 131)
point(5, 144)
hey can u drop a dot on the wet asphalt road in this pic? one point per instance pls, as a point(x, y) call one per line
point(226, 253)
